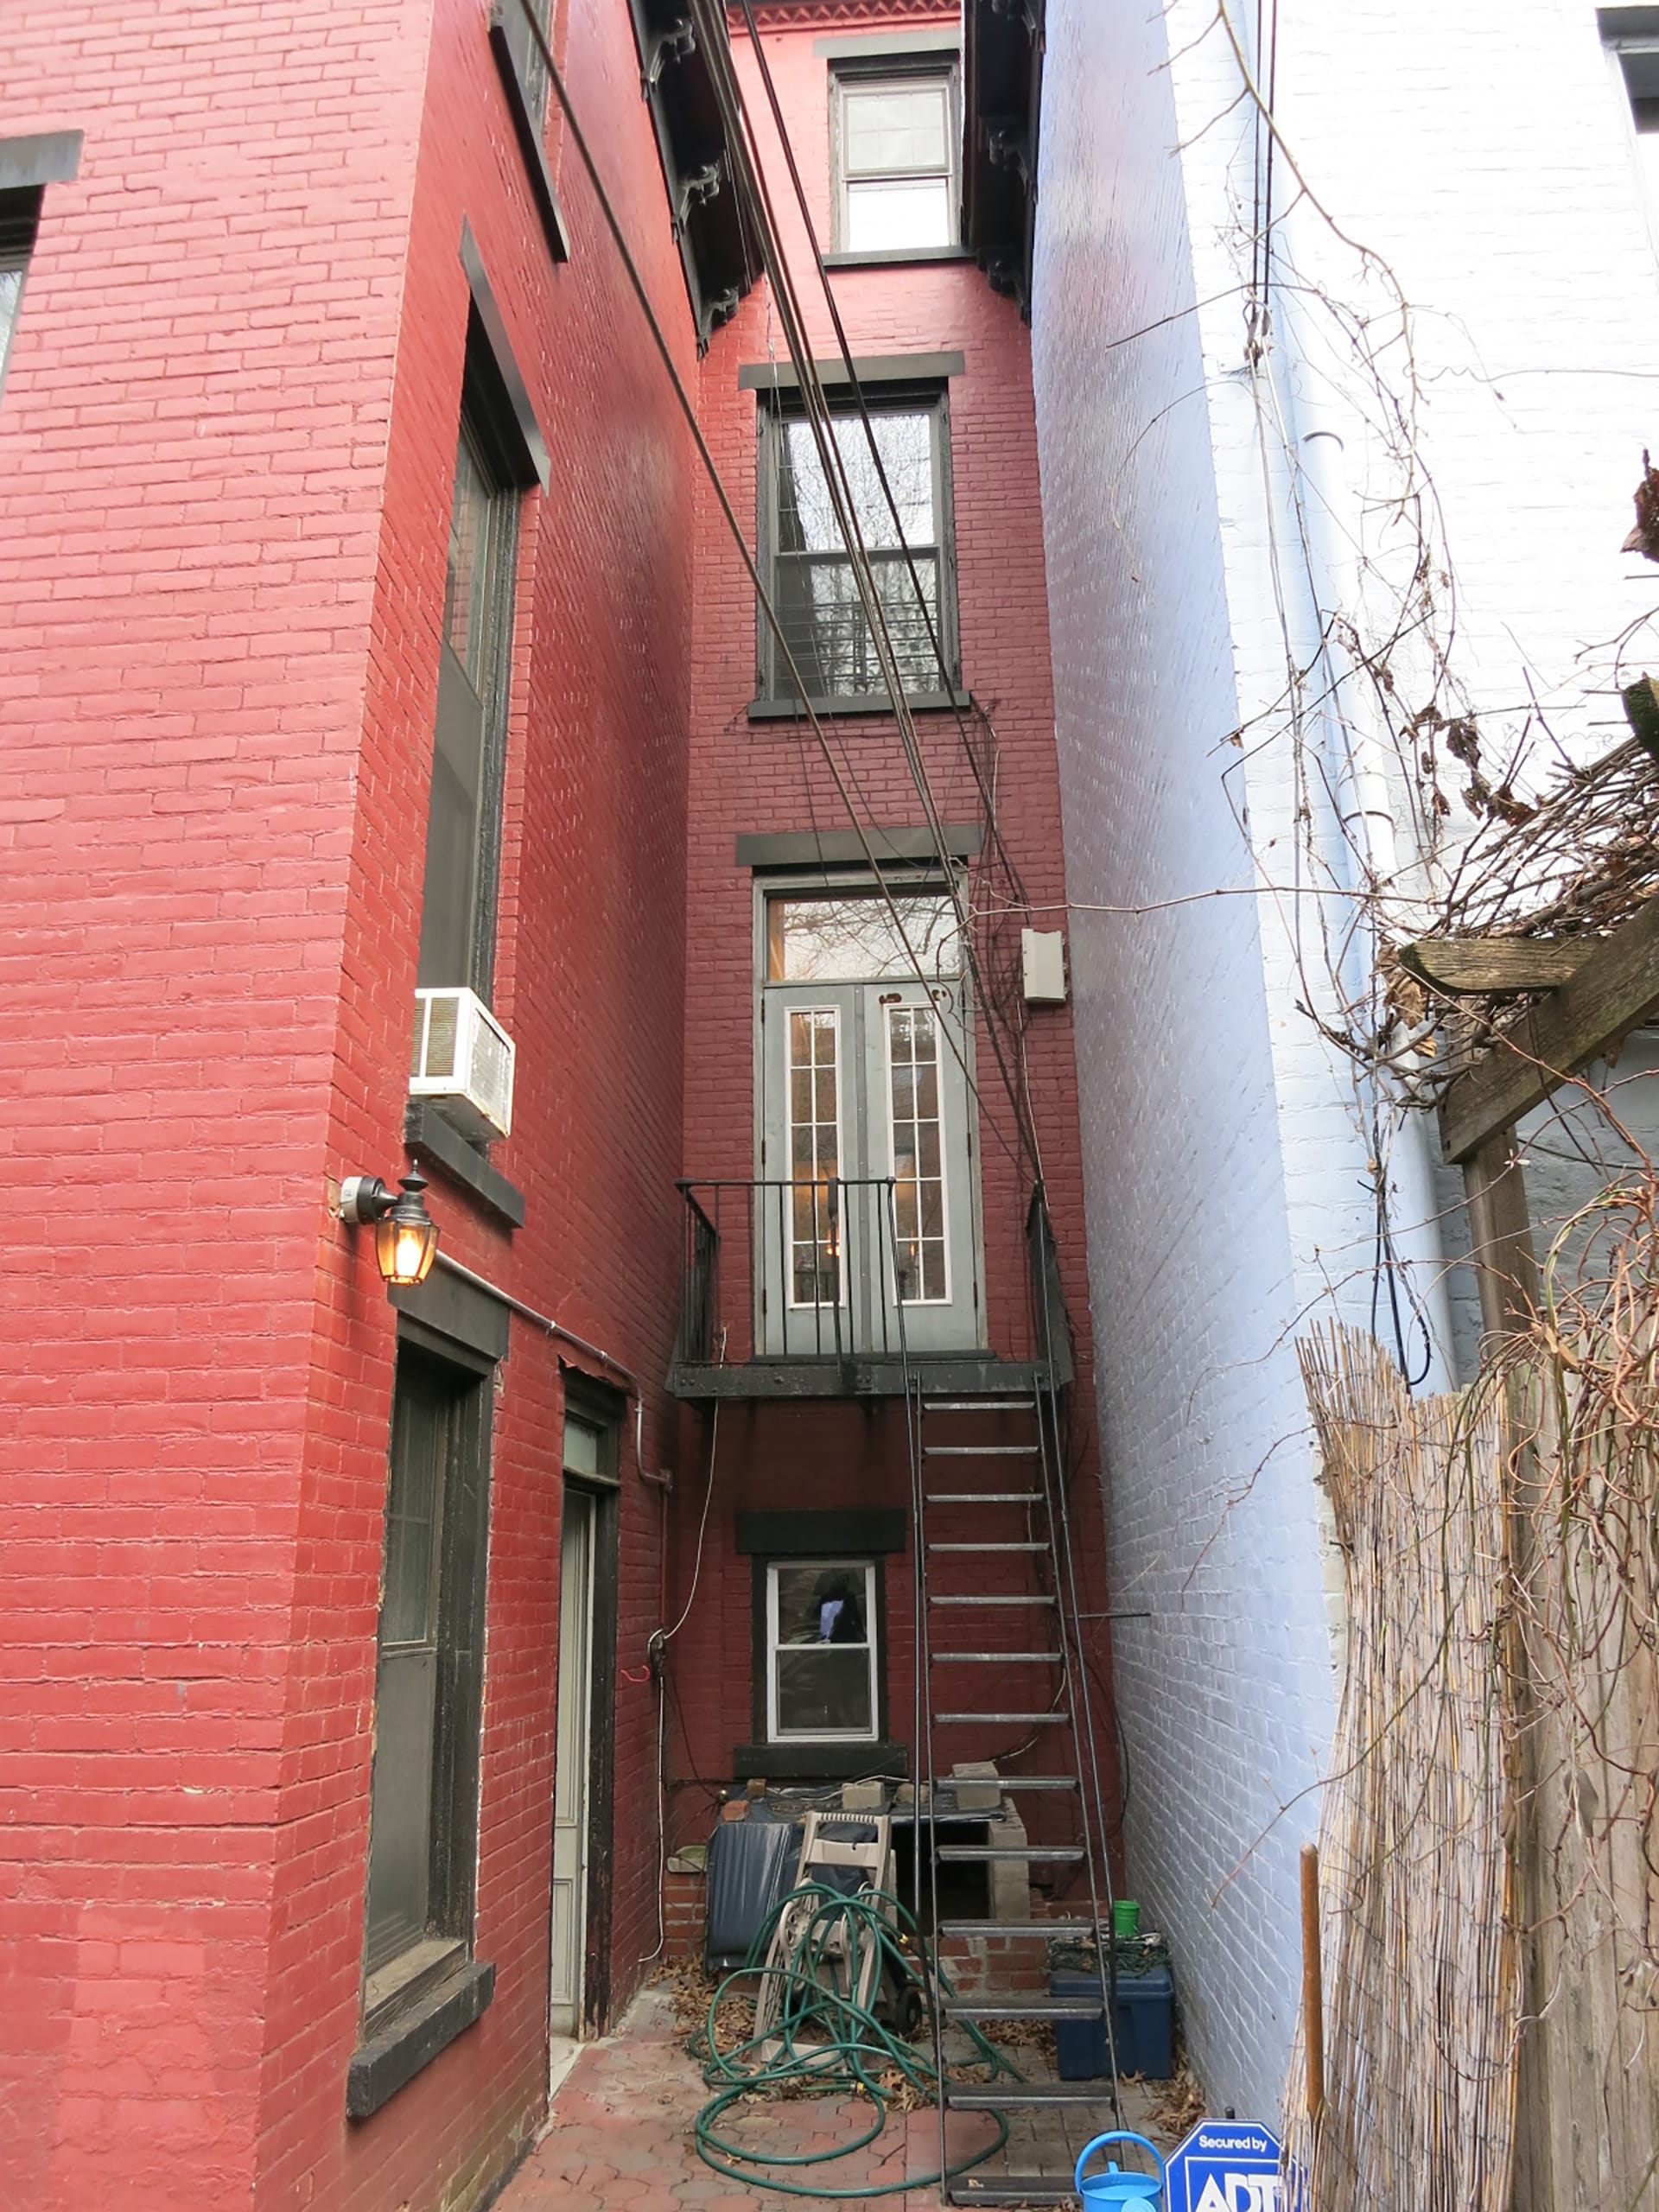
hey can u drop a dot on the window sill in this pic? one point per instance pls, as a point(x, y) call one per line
point(870, 704)
point(896, 257)
point(809, 1762)
point(431, 1139)
point(391, 2057)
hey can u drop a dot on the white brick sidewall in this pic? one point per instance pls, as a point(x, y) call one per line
point(1487, 156)
point(1225, 1693)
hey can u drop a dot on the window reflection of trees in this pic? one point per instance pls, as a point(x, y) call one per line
point(818, 602)
point(855, 940)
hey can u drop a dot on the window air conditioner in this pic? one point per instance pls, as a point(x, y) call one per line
point(463, 1063)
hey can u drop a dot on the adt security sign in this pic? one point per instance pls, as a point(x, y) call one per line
point(1226, 2165)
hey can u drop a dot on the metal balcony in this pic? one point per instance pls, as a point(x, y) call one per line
point(800, 1290)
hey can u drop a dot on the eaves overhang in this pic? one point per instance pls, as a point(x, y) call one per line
point(1002, 83)
point(718, 250)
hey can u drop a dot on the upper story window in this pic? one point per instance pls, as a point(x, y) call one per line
point(19, 215)
point(464, 824)
point(812, 579)
point(894, 136)
point(526, 52)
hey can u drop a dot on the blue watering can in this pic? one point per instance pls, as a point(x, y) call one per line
point(1115, 2191)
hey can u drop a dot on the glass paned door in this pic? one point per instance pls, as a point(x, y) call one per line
point(862, 1080)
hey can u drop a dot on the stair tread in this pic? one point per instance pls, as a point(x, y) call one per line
point(1030, 1597)
point(982, 1498)
point(969, 1854)
point(1025, 1719)
point(1012, 2188)
point(976, 2096)
point(1058, 1927)
point(978, 1405)
point(987, 1544)
point(1022, 2008)
point(978, 1451)
point(990, 1658)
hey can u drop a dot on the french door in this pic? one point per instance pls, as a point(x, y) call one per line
point(866, 1200)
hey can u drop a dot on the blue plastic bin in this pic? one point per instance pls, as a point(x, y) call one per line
point(1145, 2026)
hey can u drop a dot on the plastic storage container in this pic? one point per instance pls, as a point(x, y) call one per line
point(1145, 2026)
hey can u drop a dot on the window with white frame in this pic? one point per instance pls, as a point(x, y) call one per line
point(820, 1655)
point(894, 136)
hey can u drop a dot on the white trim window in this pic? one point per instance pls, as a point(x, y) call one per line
point(821, 1682)
point(896, 158)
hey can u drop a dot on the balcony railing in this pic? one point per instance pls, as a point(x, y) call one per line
point(806, 1290)
point(825, 1276)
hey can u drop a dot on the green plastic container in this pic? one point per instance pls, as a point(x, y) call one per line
point(1126, 1919)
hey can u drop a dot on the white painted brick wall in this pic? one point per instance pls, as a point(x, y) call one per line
point(1226, 1693)
point(1486, 154)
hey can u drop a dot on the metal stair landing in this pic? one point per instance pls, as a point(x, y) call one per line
point(1001, 1678)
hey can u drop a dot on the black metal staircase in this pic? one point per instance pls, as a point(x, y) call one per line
point(1010, 1660)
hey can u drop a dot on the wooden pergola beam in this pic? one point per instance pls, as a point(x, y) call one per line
point(1456, 964)
point(1613, 988)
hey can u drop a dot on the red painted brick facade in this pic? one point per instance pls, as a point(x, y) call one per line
point(228, 444)
point(226, 453)
point(771, 777)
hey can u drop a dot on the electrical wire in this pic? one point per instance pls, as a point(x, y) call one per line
point(612, 222)
point(748, 173)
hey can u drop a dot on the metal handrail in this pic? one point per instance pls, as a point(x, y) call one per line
point(824, 1280)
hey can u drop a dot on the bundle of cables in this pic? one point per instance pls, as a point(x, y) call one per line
point(813, 2038)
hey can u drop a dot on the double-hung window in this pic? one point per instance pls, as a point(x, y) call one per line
point(821, 1656)
point(894, 136)
point(464, 825)
point(898, 473)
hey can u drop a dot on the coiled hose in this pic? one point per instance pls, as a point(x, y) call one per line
point(827, 2043)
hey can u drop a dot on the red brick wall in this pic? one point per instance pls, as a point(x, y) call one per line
point(226, 451)
point(770, 775)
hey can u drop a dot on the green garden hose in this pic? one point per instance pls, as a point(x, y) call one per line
point(827, 2043)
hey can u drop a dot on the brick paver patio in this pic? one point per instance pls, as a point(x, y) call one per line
point(620, 2137)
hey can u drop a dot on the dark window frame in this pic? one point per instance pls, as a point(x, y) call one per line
point(864, 72)
point(464, 1381)
point(20, 216)
point(774, 410)
point(599, 1407)
point(488, 426)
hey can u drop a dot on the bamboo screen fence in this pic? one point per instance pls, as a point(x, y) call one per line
point(1420, 1960)
point(1490, 1850)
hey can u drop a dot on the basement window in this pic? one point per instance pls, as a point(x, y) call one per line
point(894, 134)
point(821, 1657)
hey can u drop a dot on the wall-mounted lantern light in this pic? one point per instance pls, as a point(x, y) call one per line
point(405, 1234)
